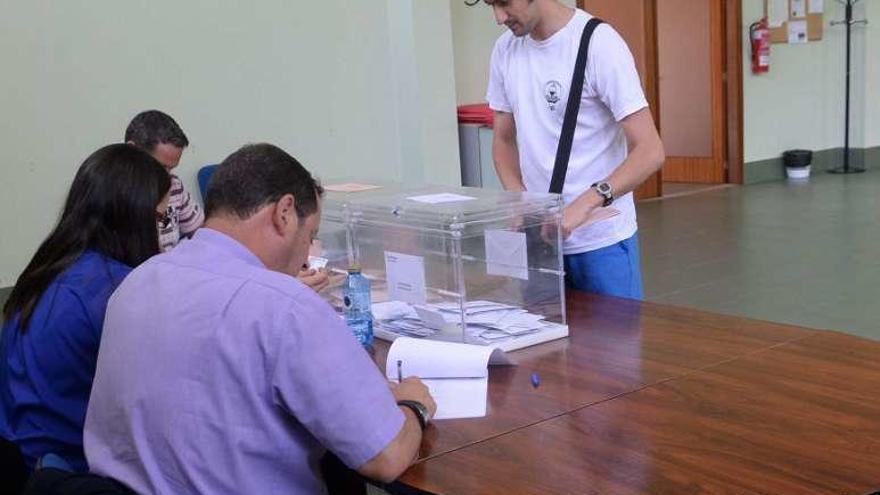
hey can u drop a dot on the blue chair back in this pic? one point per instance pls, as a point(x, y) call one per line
point(204, 177)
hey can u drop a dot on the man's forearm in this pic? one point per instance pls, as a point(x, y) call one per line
point(506, 157)
point(645, 156)
point(399, 454)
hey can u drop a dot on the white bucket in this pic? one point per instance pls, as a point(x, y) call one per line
point(799, 173)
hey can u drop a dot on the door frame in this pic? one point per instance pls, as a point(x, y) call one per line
point(733, 88)
point(732, 77)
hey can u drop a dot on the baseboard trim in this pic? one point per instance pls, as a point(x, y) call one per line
point(773, 169)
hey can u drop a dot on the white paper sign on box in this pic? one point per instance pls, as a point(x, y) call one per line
point(406, 277)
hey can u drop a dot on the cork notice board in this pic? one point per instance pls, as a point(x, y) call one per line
point(791, 14)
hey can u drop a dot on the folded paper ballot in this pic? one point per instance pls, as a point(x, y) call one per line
point(487, 322)
point(601, 214)
point(456, 374)
point(317, 262)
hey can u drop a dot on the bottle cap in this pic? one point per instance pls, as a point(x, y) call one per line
point(354, 268)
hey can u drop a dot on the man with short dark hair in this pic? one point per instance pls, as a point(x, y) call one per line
point(615, 146)
point(232, 376)
point(159, 135)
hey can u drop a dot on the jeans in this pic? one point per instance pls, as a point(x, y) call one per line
point(614, 270)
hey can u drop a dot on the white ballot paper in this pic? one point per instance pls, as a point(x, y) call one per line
point(440, 198)
point(456, 374)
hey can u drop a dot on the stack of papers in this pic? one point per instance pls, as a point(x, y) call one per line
point(456, 374)
point(486, 321)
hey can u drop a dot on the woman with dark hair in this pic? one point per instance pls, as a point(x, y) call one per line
point(52, 320)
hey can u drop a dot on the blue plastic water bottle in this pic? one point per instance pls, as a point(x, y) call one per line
point(357, 301)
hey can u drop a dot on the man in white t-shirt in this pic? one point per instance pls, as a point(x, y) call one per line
point(616, 146)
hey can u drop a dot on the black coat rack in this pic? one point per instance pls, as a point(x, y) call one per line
point(849, 22)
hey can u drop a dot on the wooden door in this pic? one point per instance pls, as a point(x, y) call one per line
point(636, 23)
point(691, 61)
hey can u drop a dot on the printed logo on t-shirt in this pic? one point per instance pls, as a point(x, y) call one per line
point(552, 90)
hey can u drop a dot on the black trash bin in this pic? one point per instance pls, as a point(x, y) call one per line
point(797, 163)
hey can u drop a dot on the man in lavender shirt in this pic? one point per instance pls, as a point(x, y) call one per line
point(220, 373)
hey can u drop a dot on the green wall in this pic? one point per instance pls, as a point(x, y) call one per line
point(349, 88)
point(872, 62)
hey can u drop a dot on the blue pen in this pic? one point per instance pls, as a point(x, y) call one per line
point(536, 380)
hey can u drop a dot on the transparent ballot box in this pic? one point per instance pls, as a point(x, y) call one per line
point(450, 263)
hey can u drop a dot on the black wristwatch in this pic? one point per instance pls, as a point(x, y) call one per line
point(418, 409)
point(606, 191)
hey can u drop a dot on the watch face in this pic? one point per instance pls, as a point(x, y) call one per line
point(603, 188)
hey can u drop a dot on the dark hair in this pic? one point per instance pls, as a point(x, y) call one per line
point(257, 175)
point(111, 208)
point(150, 128)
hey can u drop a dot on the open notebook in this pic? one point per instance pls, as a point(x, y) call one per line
point(456, 374)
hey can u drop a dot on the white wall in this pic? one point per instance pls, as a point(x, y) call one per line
point(474, 32)
point(436, 76)
point(317, 78)
point(872, 60)
point(800, 103)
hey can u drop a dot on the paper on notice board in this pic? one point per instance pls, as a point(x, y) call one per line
point(777, 12)
point(406, 277)
point(797, 32)
point(798, 8)
point(506, 254)
point(816, 7)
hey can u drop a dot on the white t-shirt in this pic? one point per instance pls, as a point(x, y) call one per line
point(530, 79)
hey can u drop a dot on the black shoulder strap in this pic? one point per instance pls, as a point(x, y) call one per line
point(563, 151)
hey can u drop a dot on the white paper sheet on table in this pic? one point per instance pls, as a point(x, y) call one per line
point(405, 274)
point(350, 187)
point(507, 254)
point(456, 374)
point(440, 198)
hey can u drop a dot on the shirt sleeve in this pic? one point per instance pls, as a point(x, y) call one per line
point(612, 73)
point(328, 383)
point(496, 93)
point(189, 213)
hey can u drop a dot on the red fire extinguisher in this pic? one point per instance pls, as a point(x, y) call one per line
point(760, 36)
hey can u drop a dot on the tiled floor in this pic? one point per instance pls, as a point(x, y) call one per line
point(674, 189)
point(805, 254)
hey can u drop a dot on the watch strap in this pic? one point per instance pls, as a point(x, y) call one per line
point(607, 197)
point(418, 409)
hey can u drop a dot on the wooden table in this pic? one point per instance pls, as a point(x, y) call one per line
point(646, 398)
